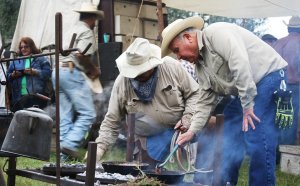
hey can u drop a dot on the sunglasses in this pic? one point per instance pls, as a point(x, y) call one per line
point(24, 46)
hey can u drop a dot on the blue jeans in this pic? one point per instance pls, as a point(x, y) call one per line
point(158, 146)
point(259, 144)
point(77, 111)
point(288, 136)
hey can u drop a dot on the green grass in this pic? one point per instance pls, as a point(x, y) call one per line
point(282, 179)
point(118, 154)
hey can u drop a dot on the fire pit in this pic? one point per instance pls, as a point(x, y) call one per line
point(108, 178)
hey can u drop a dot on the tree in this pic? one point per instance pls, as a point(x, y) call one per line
point(249, 24)
point(9, 10)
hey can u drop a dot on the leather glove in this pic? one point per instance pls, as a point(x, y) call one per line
point(284, 109)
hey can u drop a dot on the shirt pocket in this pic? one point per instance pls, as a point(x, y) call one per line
point(172, 95)
point(132, 106)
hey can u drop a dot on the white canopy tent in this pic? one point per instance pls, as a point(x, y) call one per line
point(37, 20)
point(239, 8)
point(36, 17)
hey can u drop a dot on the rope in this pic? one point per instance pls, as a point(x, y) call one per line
point(179, 153)
point(136, 20)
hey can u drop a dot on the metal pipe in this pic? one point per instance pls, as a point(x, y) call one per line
point(58, 31)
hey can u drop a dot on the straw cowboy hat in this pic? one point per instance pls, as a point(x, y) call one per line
point(88, 7)
point(294, 22)
point(139, 57)
point(173, 29)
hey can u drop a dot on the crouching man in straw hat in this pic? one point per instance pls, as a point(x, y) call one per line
point(232, 61)
point(78, 82)
point(158, 91)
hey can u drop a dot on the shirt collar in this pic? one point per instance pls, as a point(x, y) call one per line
point(200, 41)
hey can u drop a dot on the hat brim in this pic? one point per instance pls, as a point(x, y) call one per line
point(99, 13)
point(191, 22)
point(292, 26)
point(132, 71)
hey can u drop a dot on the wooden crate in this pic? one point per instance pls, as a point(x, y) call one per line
point(131, 9)
point(125, 25)
point(150, 29)
point(126, 8)
point(290, 159)
point(127, 40)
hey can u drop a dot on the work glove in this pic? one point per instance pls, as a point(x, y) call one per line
point(284, 109)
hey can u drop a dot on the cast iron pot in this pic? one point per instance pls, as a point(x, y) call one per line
point(167, 177)
point(124, 168)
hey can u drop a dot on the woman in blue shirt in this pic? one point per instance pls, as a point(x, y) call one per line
point(28, 76)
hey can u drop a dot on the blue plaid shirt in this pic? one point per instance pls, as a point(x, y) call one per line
point(189, 68)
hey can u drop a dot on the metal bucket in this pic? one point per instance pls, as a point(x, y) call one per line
point(29, 134)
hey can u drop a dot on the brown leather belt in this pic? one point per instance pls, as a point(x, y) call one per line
point(68, 64)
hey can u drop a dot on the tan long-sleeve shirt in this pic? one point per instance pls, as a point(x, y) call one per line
point(234, 61)
point(176, 94)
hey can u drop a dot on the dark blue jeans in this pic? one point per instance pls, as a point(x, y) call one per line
point(259, 144)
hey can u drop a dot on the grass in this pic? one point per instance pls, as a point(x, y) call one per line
point(118, 154)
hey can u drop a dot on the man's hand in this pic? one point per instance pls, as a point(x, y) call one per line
point(248, 118)
point(100, 153)
point(16, 74)
point(184, 138)
point(183, 125)
point(31, 71)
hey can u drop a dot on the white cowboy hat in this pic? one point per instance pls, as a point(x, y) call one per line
point(294, 22)
point(139, 57)
point(88, 7)
point(173, 29)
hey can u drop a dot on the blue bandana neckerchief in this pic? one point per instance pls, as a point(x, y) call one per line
point(145, 90)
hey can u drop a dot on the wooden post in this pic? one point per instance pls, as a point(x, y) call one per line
point(160, 19)
point(91, 164)
point(130, 120)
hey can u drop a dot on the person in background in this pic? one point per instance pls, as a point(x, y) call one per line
point(29, 75)
point(270, 39)
point(231, 60)
point(289, 48)
point(160, 94)
point(77, 110)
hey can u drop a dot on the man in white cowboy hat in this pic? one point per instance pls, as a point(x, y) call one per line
point(77, 111)
point(158, 91)
point(289, 48)
point(231, 60)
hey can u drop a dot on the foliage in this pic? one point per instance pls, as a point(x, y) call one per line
point(8, 17)
point(249, 24)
